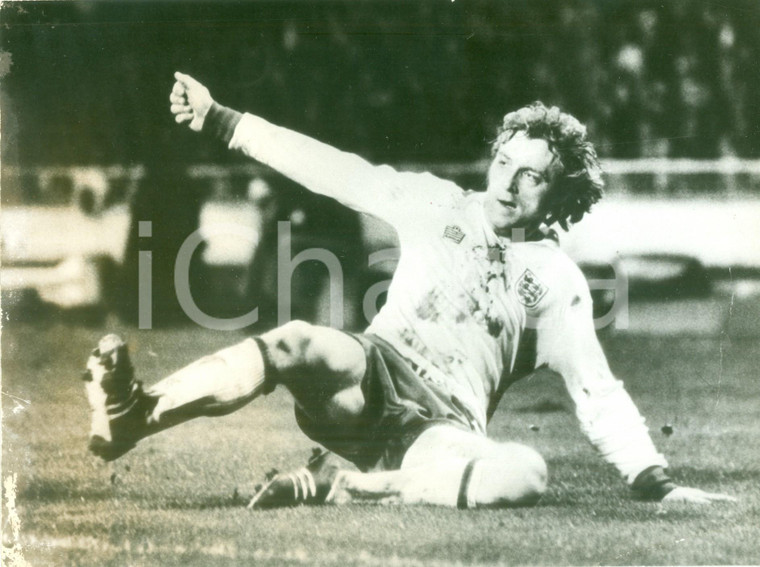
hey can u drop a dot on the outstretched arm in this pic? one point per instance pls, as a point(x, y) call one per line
point(395, 197)
point(567, 344)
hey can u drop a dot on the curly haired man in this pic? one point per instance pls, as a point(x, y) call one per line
point(481, 297)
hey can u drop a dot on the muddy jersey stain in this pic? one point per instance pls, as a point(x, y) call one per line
point(428, 310)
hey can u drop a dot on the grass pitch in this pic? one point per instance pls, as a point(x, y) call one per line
point(177, 498)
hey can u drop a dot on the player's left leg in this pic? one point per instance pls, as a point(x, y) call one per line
point(322, 368)
point(123, 412)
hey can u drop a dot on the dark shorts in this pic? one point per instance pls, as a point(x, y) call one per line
point(399, 406)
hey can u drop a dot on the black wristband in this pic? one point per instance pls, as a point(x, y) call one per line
point(220, 122)
point(653, 483)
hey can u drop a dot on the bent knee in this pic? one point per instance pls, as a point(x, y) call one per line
point(292, 337)
point(290, 345)
point(298, 349)
point(518, 478)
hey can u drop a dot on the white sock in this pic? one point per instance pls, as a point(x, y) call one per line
point(438, 483)
point(214, 385)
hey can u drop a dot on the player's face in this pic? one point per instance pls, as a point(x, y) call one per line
point(518, 181)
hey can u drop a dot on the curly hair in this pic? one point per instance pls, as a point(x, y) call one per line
point(580, 184)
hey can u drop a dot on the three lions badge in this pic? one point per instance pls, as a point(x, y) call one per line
point(530, 290)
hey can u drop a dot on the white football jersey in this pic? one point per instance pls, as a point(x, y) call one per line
point(453, 307)
point(462, 298)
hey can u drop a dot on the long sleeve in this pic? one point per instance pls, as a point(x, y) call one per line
point(607, 415)
point(399, 198)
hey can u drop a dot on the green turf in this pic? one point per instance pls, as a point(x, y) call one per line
point(172, 500)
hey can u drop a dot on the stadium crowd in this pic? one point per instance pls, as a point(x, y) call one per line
point(427, 79)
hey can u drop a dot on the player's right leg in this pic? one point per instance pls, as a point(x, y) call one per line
point(495, 473)
point(445, 466)
point(322, 367)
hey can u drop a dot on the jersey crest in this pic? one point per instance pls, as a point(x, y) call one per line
point(453, 232)
point(530, 290)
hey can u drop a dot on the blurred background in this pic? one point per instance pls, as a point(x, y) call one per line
point(669, 92)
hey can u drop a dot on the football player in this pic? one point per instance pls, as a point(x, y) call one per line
point(482, 296)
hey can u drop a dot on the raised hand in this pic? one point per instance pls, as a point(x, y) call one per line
point(190, 101)
point(695, 496)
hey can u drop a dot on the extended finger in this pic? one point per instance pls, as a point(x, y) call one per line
point(684, 496)
point(184, 117)
point(688, 499)
point(696, 497)
point(185, 80)
point(714, 497)
point(181, 109)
